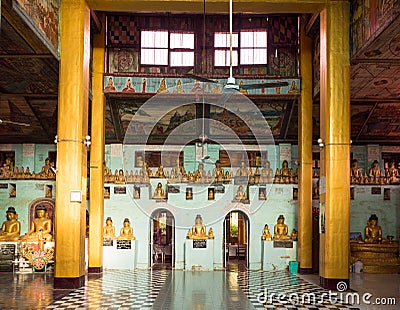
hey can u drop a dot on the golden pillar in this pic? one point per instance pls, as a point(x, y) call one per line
point(335, 134)
point(305, 154)
point(96, 214)
point(70, 212)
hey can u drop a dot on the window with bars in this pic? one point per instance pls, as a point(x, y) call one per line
point(221, 49)
point(163, 48)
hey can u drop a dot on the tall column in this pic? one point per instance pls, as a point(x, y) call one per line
point(70, 213)
point(305, 154)
point(335, 134)
point(96, 213)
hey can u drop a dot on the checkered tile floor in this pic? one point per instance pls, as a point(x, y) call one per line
point(116, 289)
point(263, 289)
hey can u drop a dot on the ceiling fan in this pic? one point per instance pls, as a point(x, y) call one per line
point(231, 82)
point(13, 123)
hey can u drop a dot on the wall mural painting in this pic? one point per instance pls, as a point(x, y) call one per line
point(109, 125)
point(384, 121)
point(368, 17)
point(273, 113)
point(44, 14)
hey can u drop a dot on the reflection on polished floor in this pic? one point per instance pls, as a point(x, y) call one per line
point(176, 289)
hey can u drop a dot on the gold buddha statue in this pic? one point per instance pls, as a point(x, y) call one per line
point(47, 172)
point(211, 194)
point(373, 232)
point(10, 229)
point(218, 172)
point(210, 234)
point(227, 176)
point(281, 229)
point(266, 235)
point(136, 194)
point(40, 227)
point(200, 173)
point(392, 172)
point(355, 172)
point(284, 172)
point(109, 229)
point(159, 193)
point(126, 232)
point(374, 171)
point(242, 170)
point(119, 177)
point(160, 172)
point(240, 194)
point(163, 87)
point(267, 174)
point(198, 230)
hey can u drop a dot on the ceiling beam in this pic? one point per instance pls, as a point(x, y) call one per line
point(30, 56)
point(393, 61)
point(213, 6)
point(366, 121)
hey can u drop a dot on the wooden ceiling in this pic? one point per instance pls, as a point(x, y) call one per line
point(29, 82)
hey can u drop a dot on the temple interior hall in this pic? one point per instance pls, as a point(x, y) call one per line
point(199, 154)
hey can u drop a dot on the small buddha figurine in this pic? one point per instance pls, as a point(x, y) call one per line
point(261, 195)
point(10, 229)
point(293, 88)
point(40, 225)
point(126, 232)
point(211, 195)
point(373, 232)
point(136, 194)
point(242, 170)
point(278, 177)
point(199, 230)
point(7, 169)
point(266, 235)
point(355, 172)
point(218, 172)
point(28, 174)
point(391, 172)
point(189, 194)
point(159, 192)
point(281, 229)
point(210, 234)
point(119, 177)
point(284, 171)
point(293, 236)
point(267, 174)
point(374, 171)
point(160, 172)
point(109, 229)
point(46, 169)
point(240, 194)
point(200, 172)
point(227, 176)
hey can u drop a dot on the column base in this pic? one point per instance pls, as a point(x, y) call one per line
point(305, 271)
point(95, 269)
point(69, 283)
point(334, 284)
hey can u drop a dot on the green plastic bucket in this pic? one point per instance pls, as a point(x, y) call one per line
point(293, 267)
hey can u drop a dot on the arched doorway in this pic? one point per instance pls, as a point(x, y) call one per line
point(236, 240)
point(162, 242)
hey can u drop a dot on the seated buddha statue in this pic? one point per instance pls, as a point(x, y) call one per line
point(227, 176)
point(267, 174)
point(160, 172)
point(119, 177)
point(198, 230)
point(391, 172)
point(10, 229)
point(28, 173)
point(240, 194)
point(126, 232)
point(373, 232)
point(7, 169)
point(242, 170)
point(294, 234)
point(109, 229)
point(281, 229)
point(159, 193)
point(46, 169)
point(40, 227)
point(374, 171)
point(200, 173)
point(266, 235)
point(284, 171)
point(218, 172)
point(210, 234)
point(355, 171)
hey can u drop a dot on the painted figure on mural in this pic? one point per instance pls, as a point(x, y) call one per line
point(110, 88)
point(128, 87)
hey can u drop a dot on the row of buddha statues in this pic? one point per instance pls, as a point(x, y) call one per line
point(8, 171)
point(218, 175)
point(281, 231)
point(375, 176)
point(126, 232)
point(40, 230)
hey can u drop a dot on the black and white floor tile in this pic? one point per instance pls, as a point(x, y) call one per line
point(117, 289)
point(282, 290)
